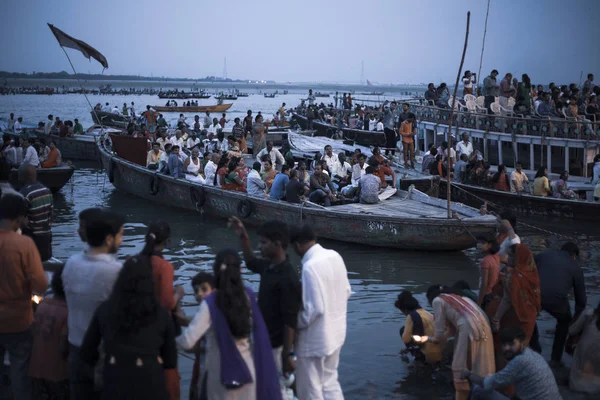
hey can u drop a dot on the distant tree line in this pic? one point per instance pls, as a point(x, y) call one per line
point(102, 77)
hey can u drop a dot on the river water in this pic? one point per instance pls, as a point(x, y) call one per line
point(370, 367)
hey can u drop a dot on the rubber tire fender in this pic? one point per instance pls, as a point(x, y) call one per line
point(245, 209)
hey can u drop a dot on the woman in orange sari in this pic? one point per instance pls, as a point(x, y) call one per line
point(521, 291)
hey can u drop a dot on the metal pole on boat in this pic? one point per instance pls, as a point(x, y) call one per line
point(483, 45)
point(462, 61)
point(82, 89)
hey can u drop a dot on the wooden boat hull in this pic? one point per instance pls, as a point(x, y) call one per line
point(360, 228)
point(363, 138)
point(215, 108)
point(522, 204)
point(71, 148)
point(53, 178)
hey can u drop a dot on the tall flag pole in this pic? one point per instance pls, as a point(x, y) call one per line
point(88, 51)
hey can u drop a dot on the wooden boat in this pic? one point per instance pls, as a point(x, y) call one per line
point(215, 108)
point(53, 178)
point(227, 97)
point(364, 138)
point(270, 95)
point(522, 204)
point(408, 220)
point(109, 119)
point(319, 94)
point(243, 95)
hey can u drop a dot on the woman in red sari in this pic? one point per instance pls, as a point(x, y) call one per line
point(521, 291)
point(168, 297)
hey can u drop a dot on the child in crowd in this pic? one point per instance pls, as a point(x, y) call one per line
point(202, 284)
point(48, 364)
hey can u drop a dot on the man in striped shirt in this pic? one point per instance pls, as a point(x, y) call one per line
point(39, 210)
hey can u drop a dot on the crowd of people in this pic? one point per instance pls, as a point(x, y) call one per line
point(523, 98)
point(496, 340)
point(112, 329)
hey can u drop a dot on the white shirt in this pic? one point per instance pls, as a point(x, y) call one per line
point(88, 281)
point(341, 170)
point(372, 124)
point(380, 126)
point(162, 141)
point(177, 142)
point(331, 161)
point(213, 129)
point(222, 146)
point(520, 178)
point(116, 111)
point(47, 127)
point(358, 172)
point(321, 325)
point(17, 127)
point(31, 157)
point(209, 172)
point(132, 110)
point(10, 124)
point(504, 246)
point(255, 186)
point(191, 142)
point(468, 83)
point(462, 148)
point(274, 155)
point(106, 108)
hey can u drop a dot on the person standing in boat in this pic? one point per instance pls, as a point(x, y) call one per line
point(468, 80)
point(596, 177)
point(150, 119)
point(408, 131)
point(207, 120)
point(259, 136)
point(541, 184)
point(125, 110)
point(490, 90)
point(311, 98)
point(388, 127)
point(48, 126)
point(77, 128)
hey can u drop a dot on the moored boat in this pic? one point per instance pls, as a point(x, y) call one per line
point(364, 138)
point(522, 204)
point(215, 108)
point(53, 178)
point(408, 220)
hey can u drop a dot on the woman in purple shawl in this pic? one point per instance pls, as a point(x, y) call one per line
point(239, 359)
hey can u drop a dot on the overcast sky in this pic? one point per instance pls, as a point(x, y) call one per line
point(326, 40)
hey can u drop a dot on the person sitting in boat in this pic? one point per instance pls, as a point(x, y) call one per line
point(163, 162)
point(154, 156)
point(303, 175)
point(268, 173)
point(234, 180)
point(561, 188)
point(541, 184)
point(255, 186)
point(233, 147)
point(115, 110)
point(222, 145)
point(215, 127)
point(175, 164)
point(221, 173)
point(359, 123)
point(274, 154)
point(42, 150)
point(193, 167)
point(518, 180)
point(438, 168)
point(358, 170)
point(418, 322)
point(428, 159)
point(54, 158)
point(280, 183)
point(193, 141)
point(341, 171)
point(295, 191)
point(500, 179)
point(384, 168)
point(321, 188)
point(369, 186)
point(177, 140)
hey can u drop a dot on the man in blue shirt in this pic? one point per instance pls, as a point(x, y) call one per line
point(526, 370)
point(279, 183)
point(174, 164)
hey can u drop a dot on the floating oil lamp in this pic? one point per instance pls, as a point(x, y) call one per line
point(36, 299)
point(420, 339)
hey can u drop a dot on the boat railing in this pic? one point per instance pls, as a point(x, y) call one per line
point(532, 126)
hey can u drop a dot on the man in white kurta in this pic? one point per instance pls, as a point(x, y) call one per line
point(321, 329)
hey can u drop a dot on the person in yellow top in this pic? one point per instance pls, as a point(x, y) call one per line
point(282, 114)
point(418, 322)
point(541, 185)
point(408, 140)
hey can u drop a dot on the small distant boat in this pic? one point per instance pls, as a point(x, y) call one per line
point(183, 95)
point(227, 97)
point(53, 178)
point(270, 95)
point(319, 94)
point(365, 138)
point(215, 108)
point(243, 95)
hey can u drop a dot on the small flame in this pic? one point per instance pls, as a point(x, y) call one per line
point(36, 299)
point(420, 339)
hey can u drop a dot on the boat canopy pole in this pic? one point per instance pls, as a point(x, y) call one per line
point(483, 44)
point(462, 61)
